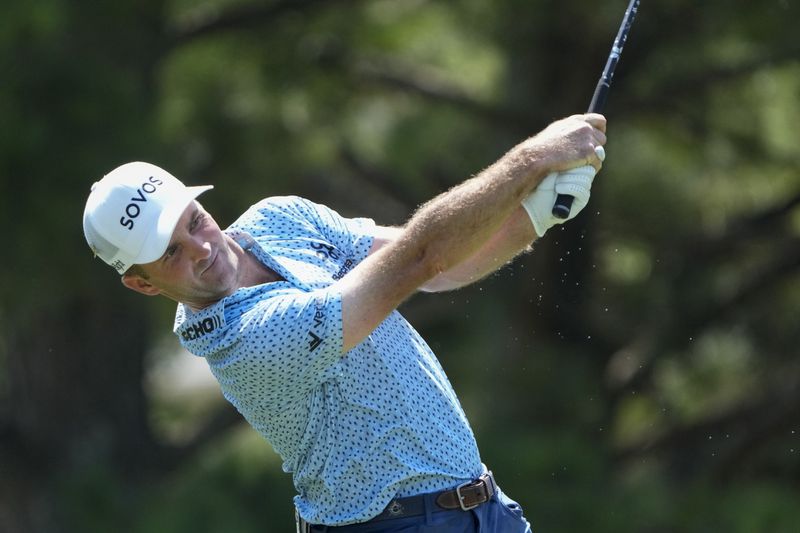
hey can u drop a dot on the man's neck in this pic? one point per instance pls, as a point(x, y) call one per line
point(255, 272)
point(252, 271)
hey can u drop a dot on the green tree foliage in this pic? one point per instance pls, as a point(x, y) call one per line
point(637, 372)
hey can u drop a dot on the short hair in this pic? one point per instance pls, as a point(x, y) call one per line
point(136, 270)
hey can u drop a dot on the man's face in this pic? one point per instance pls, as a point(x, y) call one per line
point(199, 267)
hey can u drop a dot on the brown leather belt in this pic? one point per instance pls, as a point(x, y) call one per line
point(468, 495)
point(465, 497)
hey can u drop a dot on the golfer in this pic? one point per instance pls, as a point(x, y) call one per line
point(294, 309)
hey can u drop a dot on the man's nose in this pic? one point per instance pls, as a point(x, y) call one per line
point(201, 248)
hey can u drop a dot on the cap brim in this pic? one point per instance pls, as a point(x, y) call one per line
point(157, 242)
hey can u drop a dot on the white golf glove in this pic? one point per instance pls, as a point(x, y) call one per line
point(539, 204)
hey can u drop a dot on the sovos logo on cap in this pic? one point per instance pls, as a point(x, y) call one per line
point(131, 213)
point(133, 209)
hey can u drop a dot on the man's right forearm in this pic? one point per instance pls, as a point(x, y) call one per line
point(453, 226)
point(514, 237)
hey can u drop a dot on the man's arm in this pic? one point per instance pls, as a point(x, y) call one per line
point(455, 225)
point(514, 237)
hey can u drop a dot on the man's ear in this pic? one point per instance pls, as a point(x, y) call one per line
point(137, 283)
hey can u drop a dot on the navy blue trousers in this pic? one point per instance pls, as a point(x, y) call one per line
point(499, 515)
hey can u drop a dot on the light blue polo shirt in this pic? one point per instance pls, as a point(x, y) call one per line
point(354, 429)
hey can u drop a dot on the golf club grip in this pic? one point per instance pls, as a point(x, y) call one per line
point(563, 204)
point(598, 102)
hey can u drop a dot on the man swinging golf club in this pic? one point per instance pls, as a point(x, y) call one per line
point(294, 309)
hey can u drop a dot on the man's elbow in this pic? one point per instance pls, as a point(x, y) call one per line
point(448, 281)
point(422, 263)
point(439, 284)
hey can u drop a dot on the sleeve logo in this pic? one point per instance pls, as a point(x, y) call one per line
point(319, 321)
point(314, 342)
point(200, 329)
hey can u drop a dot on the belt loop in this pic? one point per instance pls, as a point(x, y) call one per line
point(430, 503)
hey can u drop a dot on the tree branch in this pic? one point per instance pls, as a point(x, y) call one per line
point(631, 365)
point(738, 232)
point(377, 178)
point(685, 87)
point(240, 17)
point(428, 84)
point(754, 421)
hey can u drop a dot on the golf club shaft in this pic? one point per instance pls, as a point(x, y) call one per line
point(563, 203)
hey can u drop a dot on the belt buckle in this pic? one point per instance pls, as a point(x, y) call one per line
point(461, 497)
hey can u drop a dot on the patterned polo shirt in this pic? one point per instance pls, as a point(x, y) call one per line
point(354, 429)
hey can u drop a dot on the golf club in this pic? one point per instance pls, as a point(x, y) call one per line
point(563, 203)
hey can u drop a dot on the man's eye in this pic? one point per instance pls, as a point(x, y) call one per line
point(196, 222)
point(171, 251)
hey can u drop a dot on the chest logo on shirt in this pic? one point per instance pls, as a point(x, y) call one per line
point(325, 251)
point(346, 267)
point(328, 252)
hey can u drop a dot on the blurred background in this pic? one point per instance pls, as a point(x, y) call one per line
point(638, 372)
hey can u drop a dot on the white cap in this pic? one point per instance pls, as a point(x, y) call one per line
point(131, 213)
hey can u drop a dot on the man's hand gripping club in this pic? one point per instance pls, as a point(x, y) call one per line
point(576, 182)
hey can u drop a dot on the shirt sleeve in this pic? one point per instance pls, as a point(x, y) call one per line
point(293, 344)
point(287, 217)
point(352, 234)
